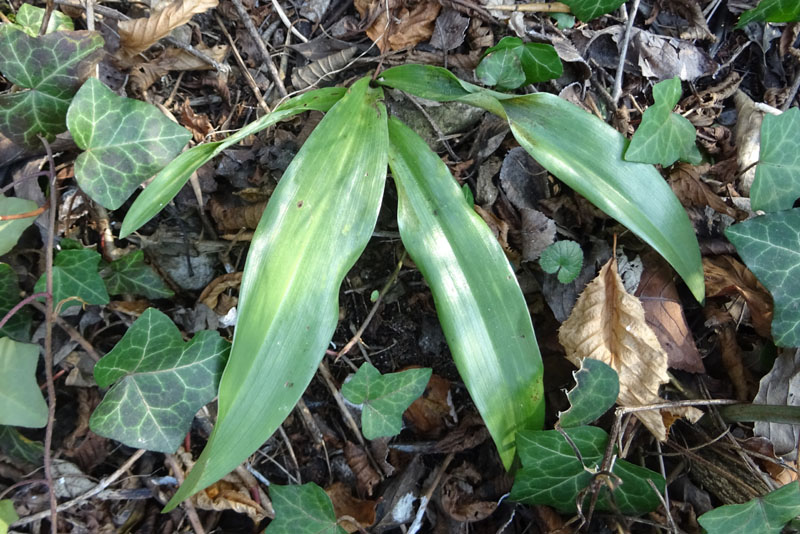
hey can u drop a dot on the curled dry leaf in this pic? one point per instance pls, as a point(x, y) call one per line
point(433, 412)
point(725, 275)
point(211, 294)
point(137, 35)
point(609, 325)
point(197, 123)
point(410, 21)
point(460, 495)
point(685, 181)
point(232, 216)
point(730, 352)
point(366, 477)
point(344, 504)
point(471, 432)
point(781, 386)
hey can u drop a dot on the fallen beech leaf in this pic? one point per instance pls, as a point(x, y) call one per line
point(344, 503)
point(664, 313)
point(609, 325)
point(211, 294)
point(726, 276)
point(232, 216)
point(137, 35)
point(144, 75)
point(685, 182)
point(411, 21)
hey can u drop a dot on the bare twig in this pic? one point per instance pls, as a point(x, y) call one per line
point(26, 215)
point(287, 22)
point(72, 332)
point(48, 11)
point(553, 7)
point(253, 31)
point(426, 498)
point(247, 76)
point(19, 305)
point(623, 53)
point(191, 512)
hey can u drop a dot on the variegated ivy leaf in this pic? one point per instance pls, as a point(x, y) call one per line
point(19, 325)
point(75, 275)
point(125, 142)
point(130, 274)
point(50, 69)
point(159, 383)
point(29, 18)
point(305, 509)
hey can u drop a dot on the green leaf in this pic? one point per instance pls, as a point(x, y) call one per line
point(174, 176)
point(512, 63)
point(12, 229)
point(51, 67)
point(635, 194)
point(159, 383)
point(75, 275)
point(29, 18)
point(664, 137)
point(770, 247)
point(596, 389)
point(765, 515)
point(19, 325)
point(553, 476)
point(305, 509)
point(18, 446)
point(777, 182)
point(587, 10)
point(479, 303)
point(385, 397)
point(7, 515)
point(564, 21)
point(564, 258)
point(771, 11)
point(22, 401)
point(502, 69)
point(315, 226)
point(130, 274)
point(125, 142)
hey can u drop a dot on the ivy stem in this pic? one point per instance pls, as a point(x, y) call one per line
point(48, 336)
point(768, 413)
point(19, 305)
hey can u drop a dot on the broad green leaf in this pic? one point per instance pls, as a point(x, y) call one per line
point(563, 20)
point(174, 176)
point(596, 389)
point(12, 229)
point(75, 275)
point(125, 142)
point(770, 247)
point(130, 274)
point(159, 383)
point(552, 475)
point(777, 182)
point(50, 68)
point(664, 137)
point(305, 509)
point(7, 515)
point(635, 194)
point(316, 224)
point(479, 303)
point(384, 397)
point(502, 69)
point(14, 444)
point(564, 258)
point(29, 18)
point(587, 10)
point(765, 515)
point(22, 401)
point(771, 11)
point(512, 63)
point(19, 325)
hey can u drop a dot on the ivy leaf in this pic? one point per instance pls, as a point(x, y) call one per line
point(552, 475)
point(502, 69)
point(126, 141)
point(765, 515)
point(770, 247)
point(130, 274)
point(771, 11)
point(22, 401)
point(564, 257)
point(512, 63)
point(19, 325)
point(160, 383)
point(51, 67)
point(777, 182)
point(29, 18)
point(664, 137)
point(7, 515)
point(75, 275)
point(305, 509)
point(587, 10)
point(385, 397)
point(596, 389)
point(18, 446)
point(12, 229)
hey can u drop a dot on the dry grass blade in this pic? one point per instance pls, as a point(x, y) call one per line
point(137, 35)
point(608, 324)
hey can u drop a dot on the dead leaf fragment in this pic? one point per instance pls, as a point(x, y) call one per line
point(366, 477)
point(460, 498)
point(609, 324)
point(781, 386)
point(410, 21)
point(432, 413)
point(344, 504)
point(137, 35)
point(685, 181)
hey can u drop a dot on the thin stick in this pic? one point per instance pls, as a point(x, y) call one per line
point(106, 482)
point(48, 11)
point(676, 404)
point(287, 22)
point(191, 512)
point(26, 215)
point(90, 15)
point(251, 29)
point(555, 7)
point(247, 76)
point(72, 332)
point(19, 305)
point(423, 503)
point(623, 53)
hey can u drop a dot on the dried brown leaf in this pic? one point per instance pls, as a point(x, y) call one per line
point(781, 386)
point(609, 325)
point(137, 35)
point(232, 216)
point(211, 294)
point(410, 22)
point(471, 432)
point(730, 352)
point(344, 504)
point(692, 191)
point(430, 414)
point(366, 477)
point(459, 495)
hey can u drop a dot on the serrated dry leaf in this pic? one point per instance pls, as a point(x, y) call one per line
point(137, 35)
point(609, 325)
